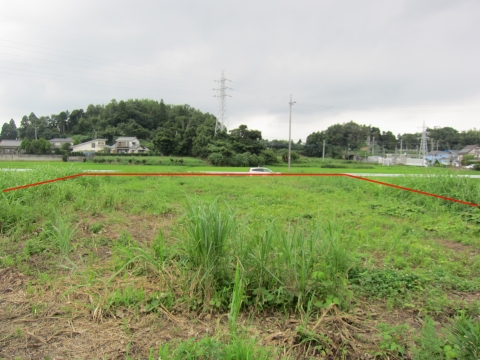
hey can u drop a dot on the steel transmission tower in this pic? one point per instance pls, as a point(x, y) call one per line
point(424, 143)
point(222, 103)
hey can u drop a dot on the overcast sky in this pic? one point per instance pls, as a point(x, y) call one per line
point(390, 64)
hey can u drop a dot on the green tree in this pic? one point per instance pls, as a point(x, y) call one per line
point(9, 131)
point(244, 140)
point(164, 142)
point(65, 146)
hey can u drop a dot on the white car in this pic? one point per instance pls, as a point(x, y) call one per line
point(261, 171)
point(470, 166)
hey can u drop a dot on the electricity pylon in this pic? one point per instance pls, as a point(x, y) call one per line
point(222, 103)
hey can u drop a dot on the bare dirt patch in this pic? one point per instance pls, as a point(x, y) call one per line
point(459, 247)
point(140, 227)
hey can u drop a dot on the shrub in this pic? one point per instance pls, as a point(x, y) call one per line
point(256, 160)
point(270, 157)
point(216, 159)
point(293, 156)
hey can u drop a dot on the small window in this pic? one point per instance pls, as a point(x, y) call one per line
point(93, 145)
point(257, 170)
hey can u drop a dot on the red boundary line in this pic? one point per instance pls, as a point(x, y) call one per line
point(239, 175)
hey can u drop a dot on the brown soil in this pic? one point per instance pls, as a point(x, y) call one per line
point(39, 321)
point(459, 247)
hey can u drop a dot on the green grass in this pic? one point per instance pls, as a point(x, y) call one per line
point(194, 164)
point(326, 254)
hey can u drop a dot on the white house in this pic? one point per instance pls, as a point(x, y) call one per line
point(91, 146)
point(129, 145)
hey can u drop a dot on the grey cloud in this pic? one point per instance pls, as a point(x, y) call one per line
point(341, 58)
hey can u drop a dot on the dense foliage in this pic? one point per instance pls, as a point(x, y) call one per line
point(342, 138)
point(9, 131)
point(182, 130)
point(178, 130)
point(40, 146)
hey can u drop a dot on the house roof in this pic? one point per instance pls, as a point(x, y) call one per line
point(467, 149)
point(70, 140)
point(91, 141)
point(126, 138)
point(10, 143)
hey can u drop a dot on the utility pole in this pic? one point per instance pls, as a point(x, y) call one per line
point(373, 146)
point(401, 146)
point(290, 132)
point(35, 127)
point(437, 144)
point(222, 103)
point(323, 152)
point(95, 132)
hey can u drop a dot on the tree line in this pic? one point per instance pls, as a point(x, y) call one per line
point(352, 137)
point(182, 130)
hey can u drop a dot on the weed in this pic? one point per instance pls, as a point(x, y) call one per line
point(208, 230)
point(207, 348)
point(391, 339)
point(465, 335)
point(63, 234)
point(385, 283)
point(430, 346)
point(127, 297)
point(237, 298)
point(96, 228)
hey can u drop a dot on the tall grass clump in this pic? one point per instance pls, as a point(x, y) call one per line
point(465, 335)
point(208, 232)
point(14, 211)
point(298, 266)
point(63, 234)
point(237, 299)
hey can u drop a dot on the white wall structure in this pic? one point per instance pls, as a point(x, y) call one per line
point(91, 146)
point(415, 162)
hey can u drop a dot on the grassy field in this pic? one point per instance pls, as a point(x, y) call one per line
point(237, 268)
point(165, 164)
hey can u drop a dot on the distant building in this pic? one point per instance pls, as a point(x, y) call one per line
point(91, 146)
point(470, 150)
point(447, 157)
point(10, 146)
point(128, 145)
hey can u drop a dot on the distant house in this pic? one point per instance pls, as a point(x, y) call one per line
point(470, 150)
point(91, 146)
point(10, 146)
point(58, 142)
point(447, 157)
point(128, 145)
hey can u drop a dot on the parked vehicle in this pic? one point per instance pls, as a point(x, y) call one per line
point(261, 171)
point(470, 166)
